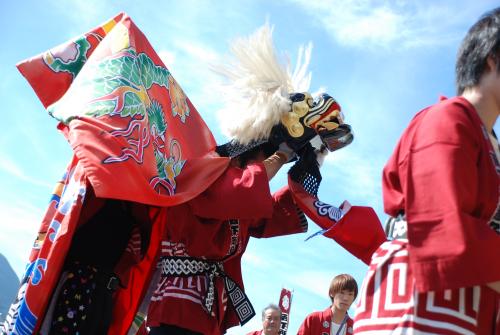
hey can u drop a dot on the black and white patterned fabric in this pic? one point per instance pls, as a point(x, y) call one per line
point(239, 300)
point(396, 228)
point(303, 219)
point(495, 221)
point(233, 148)
point(190, 266)
point(306, 171)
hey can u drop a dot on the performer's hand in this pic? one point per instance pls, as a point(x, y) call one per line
point(320, 150)
point(287, 152)
point(321, 154)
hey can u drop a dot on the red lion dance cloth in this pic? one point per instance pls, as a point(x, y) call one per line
point(132, 135)
point(136, 137)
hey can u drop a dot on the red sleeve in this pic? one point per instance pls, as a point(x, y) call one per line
point(450, 242)
point(305, 327)
point(237, 194)
point(350, 325)
point(286, 219)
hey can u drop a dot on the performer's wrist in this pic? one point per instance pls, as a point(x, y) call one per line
point(286, 151)
point(273, 163)
point(282, 156)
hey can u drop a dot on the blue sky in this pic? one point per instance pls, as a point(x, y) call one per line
point(382, 60)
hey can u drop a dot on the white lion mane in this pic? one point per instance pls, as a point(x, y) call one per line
point(258, 85)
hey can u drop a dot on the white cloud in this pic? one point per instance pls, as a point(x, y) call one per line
point(254, 259)
point(388, 24)
point(197, 51)
point(9, 166)
point(357, 174)
point(192, 71)
point(193, 60)
point(82, 13)
point(167, 57)
point(19, 222)
point(315, 282)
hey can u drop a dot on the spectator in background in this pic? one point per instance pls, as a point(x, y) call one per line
point(334, 320)
point(271, 317)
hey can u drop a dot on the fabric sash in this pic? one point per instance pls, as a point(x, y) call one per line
point(339, 331)
point(190, 266)
point(397, 228)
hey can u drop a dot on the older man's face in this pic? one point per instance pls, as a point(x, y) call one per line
point(271, 322)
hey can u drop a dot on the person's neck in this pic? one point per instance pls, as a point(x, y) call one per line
point(337, 314)
point(486, 107)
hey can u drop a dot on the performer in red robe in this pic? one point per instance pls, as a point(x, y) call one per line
point(440, 274)
point(200, 290)
point(201, 287)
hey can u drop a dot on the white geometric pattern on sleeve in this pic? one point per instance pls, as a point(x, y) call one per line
point(390, 304)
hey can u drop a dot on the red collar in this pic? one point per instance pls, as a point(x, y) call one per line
point(327, 315)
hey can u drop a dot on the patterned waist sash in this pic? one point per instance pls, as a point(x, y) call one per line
point(190, 266)
point(396, 228)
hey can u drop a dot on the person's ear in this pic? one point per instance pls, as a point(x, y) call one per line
point(491, 64)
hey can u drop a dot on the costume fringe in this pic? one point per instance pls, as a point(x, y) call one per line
point(258, 86)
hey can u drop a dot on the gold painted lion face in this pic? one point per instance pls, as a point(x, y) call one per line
point(309, 118)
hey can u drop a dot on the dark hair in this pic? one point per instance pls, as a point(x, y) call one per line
point(343, 282)
point(266, 148)
point(482, 41)
point(270, 306)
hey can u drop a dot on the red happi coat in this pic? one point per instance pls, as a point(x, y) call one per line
point(444, 176)
point(319, 323)
point(202, 230)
